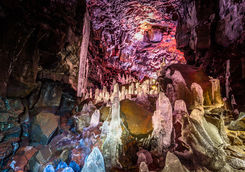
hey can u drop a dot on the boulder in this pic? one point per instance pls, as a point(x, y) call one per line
point(14, 106)
point(173, 164)
point(144, 156)
point(137, 119)
point(105, 112)
point(82, 120)
point(23, 155)
point(44, 127)
point(50, 96)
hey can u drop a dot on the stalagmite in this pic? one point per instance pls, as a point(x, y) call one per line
point(113, 141)
point(180, 106)
point(216, 93)
point(83, 66)
point(95, 119)
point(162, 122)
point(173, 164)
point(181, 90)
point(197, 94)
point(170, 93)
point(95, 162)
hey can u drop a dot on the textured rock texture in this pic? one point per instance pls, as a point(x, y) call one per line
point(44, 127)
point(131, 37)
point(39, 40)
point(211, 32)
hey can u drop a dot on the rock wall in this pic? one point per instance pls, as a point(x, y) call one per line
point(211, 32)
point(39, 40)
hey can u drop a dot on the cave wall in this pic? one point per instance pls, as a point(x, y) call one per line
point(39, 40)
point(211, 32)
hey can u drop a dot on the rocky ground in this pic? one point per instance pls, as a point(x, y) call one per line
point(137, 127)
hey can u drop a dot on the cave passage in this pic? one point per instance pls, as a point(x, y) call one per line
point(122, 86)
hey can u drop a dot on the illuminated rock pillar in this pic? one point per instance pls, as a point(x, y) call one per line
point(83, 65)
point(162, 122)
point(112, 144)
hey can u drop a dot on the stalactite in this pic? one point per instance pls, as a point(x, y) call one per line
point(83, 66)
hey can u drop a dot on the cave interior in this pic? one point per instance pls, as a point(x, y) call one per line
point(122, 86)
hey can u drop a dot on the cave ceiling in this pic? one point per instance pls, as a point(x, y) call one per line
point(132, 37)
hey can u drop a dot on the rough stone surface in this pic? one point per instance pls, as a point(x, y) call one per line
point(137, 119)
point(31, 44)
point(211, 32)
point(173, 164)
point(43, 127)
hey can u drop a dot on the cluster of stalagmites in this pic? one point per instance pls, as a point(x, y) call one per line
point(117, 131)
point(188, 138)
